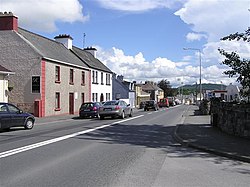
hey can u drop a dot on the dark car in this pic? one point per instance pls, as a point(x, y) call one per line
point(89, 109)
point(115, 108)
point(151, 104)
point(11, 116)
point(142, 104)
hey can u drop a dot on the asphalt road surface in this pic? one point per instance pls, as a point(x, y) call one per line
point(137, 151)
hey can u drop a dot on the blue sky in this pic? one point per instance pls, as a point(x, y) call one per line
point(144, 39)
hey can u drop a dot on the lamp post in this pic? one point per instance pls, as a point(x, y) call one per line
point(195, 49)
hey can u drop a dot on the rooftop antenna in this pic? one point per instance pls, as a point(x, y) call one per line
point(84, 36)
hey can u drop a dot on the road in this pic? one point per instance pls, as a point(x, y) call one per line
point(137, 151)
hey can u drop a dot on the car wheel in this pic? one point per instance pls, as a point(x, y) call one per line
point(101, 117)
point(123, 115)
point(131, 113)
point(29, 124)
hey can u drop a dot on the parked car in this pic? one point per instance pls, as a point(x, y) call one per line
point(115, 108)
point(89, 109)
point(163, 102)
point(12, 116)
point(142, 104)
point(171, 101)
point(151, 104)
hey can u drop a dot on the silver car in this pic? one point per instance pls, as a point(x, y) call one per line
point(115, 108)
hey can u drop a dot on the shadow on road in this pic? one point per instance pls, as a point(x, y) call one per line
point(152, 136)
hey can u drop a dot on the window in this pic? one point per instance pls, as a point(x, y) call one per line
point(13, 109)
point(57, 101)
point(93, 76)
point(57, 74)
point(101, 77)
point(96, 77)
point(107, 96)
point(35, 84)
point(107, 79)
point(71, 76)
point(94, 97)
point(83, 78)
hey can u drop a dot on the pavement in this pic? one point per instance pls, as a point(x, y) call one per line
point(197, 132)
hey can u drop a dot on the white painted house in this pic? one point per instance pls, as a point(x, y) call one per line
point(4, 83)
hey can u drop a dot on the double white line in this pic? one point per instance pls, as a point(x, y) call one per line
point(54, 140)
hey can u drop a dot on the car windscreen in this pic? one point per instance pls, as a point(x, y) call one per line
point(87, 105)
point(111, 103)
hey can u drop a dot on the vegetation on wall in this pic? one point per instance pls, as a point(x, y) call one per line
point(240, 68)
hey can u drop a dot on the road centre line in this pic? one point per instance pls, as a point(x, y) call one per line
point(54, 140)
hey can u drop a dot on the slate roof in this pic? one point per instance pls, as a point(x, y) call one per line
point(50, 49)
point(5, 71)
point(150, 87)
point(90, 60)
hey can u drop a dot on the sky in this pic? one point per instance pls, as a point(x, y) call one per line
point(144, 40)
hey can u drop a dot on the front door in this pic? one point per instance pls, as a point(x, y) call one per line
point(71, 103)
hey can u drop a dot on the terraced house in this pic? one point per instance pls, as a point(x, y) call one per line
point(52, 77)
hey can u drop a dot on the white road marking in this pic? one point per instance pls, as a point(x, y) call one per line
point(54, 140)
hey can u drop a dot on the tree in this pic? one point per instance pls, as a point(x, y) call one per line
point(164, 84)
point(239, 67)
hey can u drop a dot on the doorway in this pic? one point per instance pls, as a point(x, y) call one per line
point(71, 103)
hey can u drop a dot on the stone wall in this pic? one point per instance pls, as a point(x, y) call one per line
point(231, 118)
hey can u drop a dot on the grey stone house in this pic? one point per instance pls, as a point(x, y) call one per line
point(49, 78)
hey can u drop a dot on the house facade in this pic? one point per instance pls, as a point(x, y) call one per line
point(4, 83)
point(49, 78)
point(141, 96)
point(155, 92)
point(232, 93)
point(101, 76)
point(123, 90)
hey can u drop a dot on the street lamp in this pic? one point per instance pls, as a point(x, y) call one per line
point(195, 49)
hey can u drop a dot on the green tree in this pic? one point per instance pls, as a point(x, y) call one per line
point(239, 67)
point(164, 84)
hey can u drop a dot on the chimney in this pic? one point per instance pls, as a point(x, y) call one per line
point(8, 21)
point(120, 77)
point(65, 39)
point(92, 50)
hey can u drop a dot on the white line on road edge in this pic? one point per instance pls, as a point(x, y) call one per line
point(47, 142)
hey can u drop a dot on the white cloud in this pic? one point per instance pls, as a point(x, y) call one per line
point(137, 68)
point(136, 5)
point(45, 13)
point(195, 36)
point(217, 18)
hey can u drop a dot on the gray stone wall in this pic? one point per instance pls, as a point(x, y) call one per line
point(231, 118)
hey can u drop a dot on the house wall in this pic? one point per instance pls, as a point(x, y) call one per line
point(64, 88)
point(119, 91)
point(101, 88)
point(19, 57)
point(3, 89)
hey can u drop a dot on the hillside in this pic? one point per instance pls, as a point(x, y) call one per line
point(204, 87)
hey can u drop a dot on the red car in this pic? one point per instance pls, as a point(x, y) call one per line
point(163, 102)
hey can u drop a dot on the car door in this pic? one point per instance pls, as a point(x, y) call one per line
point(17, 118)
point(5, 117)
point(126, 108)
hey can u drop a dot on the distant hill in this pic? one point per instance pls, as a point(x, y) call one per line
point(205, 87)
